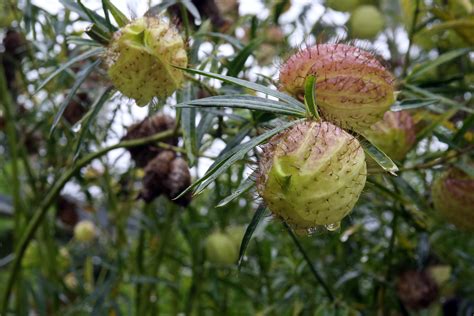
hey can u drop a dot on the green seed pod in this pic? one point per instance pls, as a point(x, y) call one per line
point(221, 250)
point(395, 134)
point(453, 198)
point(312, 174)
point(353, 89)
point(141, 56)
point(85, 231)
point(366, 22)
point(236, 234)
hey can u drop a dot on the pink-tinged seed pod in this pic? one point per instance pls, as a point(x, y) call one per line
point(395, 134)
point(311, 175)
point(353, 89)
point(453, 197)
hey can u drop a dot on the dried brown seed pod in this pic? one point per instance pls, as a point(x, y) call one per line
point(149, 126)
point(67, 211)
point(15, 44)
point(416, 289)
point(76, 109)
point(166, 174)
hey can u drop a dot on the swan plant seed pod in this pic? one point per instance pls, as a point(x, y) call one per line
point(312, 174)
point(353, 89)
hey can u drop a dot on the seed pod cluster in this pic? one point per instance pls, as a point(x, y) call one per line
point(165, 172)
point(353, 88)
point(395, 134)
point(453, 197)
point(312, 174)
point(416, 289)
point(141, 56)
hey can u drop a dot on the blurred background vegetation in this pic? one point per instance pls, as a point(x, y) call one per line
point(96, 242)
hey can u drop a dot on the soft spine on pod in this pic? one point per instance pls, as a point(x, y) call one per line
point(141, 56)
point(353, 89)
point(311, 174)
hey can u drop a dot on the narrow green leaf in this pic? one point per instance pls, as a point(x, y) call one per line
point(247, 84)
point(407, 191)
point(205, 124)
point(157, 9)
point(119, 17)
point(431, 64)
point(191, 8)
point(87, 120)
point(310, 96)
point(245, 102)
point(243, 187)
point(257, 217)
point(188, 125)
point(409, 104)
point(86, 14)
point(237, 64)
point(81, 77)
point(378, 156)
point(82, 41)
point(433, 125)
point(232, 156)
point(444, 100)
point(83, 56)
point(96, 19)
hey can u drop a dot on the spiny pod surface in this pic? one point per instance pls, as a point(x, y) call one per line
point(353, 89)
point(395, 134)
point(453, 197)
point(311, 175)
point(141, 56)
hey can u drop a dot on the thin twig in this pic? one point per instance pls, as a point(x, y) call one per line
point(310, 264)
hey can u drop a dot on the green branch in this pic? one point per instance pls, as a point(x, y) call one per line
point(40, 213)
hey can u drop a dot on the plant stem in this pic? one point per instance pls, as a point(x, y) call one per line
point(40, 213)
point(310, 264)
point(410, 37)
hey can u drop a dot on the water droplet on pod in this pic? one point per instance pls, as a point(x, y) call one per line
point(332, 227)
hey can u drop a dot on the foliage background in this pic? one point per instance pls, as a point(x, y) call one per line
point(150, 259)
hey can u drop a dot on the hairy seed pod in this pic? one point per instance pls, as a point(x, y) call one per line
point(220, 249)
point(416, 289)
point(148, 127)
point(141, 56)
point(453, 197)
point(353, 89)
point(395, 134)
point(312, 174)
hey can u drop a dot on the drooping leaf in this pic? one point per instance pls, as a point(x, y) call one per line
point(237, 64)
point(246, 185)
point(409, 104)
point(88, 118)
point(379, 156)
point(245, 102)
point(259, 213)
point(83, 56)
point(81, 77)
point(247, 84)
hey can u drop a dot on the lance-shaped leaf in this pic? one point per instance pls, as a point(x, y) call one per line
point(409, 104)
point(243, 187)
point(247, 84)
point(245, 102)
point(259, 213)
point(378, 156)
